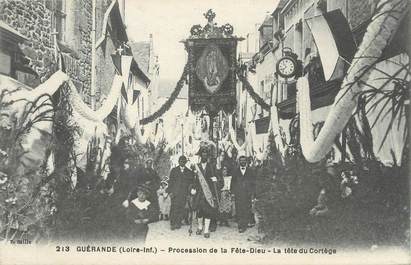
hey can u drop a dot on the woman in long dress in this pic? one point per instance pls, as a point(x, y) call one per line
point(226, 203)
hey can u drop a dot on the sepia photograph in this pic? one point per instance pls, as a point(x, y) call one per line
point(205, 131)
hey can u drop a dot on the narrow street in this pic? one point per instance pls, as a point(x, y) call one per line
point(292, 115)
point(159, 234)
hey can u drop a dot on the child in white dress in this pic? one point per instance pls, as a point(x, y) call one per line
point(164, 200)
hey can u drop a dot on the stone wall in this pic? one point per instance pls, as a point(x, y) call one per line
point(32, 20)
point(84, 49)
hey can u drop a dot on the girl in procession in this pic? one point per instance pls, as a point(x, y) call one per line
point(140, 212)
point(164, 199)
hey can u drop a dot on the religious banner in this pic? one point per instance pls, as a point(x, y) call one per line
point(212, 62)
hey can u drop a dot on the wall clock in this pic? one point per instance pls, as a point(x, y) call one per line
point(286, 67)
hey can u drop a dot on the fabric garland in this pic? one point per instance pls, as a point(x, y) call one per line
point(233, 136)
point(166, 106)
point(378, 35)
point(260, 101)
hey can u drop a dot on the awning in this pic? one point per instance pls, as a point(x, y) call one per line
point(334, 40)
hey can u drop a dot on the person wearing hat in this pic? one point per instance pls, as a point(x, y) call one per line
point(140, 212)
point(150, 178)
point(208, 184)
point(243, 188)
point(178, 188)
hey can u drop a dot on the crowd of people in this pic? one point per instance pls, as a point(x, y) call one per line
point(209, 195)
point(202, 195)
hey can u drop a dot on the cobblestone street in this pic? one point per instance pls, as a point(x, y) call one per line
point(285, 120)
point(160, 233)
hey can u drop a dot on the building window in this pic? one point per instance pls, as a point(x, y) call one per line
point(308, 42)
point(58, 19)
point(279, 97)
point(289, 38)
point(261, 112)
point(287, 91)
point(291, 90)
point(5, 66)
point(284, 92)
point(290, 15)
point(142, 108)
point(270, 96)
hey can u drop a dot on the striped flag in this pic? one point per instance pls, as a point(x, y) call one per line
point(334, 41)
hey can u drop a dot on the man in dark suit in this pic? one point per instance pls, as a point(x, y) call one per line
point(178, 187)
point(208, 184)
point(243, 188)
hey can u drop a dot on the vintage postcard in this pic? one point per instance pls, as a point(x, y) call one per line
point(204, 132)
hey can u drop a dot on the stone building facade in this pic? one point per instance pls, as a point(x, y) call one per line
point(52, 26)
point(32, 20)
point(147, 59)
point(290, 30)
point(61, 31)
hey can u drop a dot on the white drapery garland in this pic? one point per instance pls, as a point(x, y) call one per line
point(380, 31)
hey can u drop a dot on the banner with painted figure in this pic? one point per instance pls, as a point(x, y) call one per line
point(212, 52)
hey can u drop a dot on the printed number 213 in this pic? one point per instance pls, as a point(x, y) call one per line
point(62, 248)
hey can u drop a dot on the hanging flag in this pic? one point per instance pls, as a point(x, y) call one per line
point(117, 62)
point(262, 125)
point(334, 41)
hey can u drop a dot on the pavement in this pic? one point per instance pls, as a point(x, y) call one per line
point(160, 234)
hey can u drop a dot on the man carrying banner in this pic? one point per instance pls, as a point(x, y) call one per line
point(208, 186)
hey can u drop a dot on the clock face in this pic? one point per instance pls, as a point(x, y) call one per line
point(286, 67)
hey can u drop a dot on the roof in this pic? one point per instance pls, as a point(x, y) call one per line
point(141, 53)
point(280, 6)
point(287, 5)
point(268, 22)
point(166, 87)
point(136, 69)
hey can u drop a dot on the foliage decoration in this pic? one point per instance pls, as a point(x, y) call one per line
point(228, 29)
point(260, 101)
point(166, 106)
point(196, 30)
point(26, 199)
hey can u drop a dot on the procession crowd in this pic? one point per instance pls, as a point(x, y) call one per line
point(204, 194)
